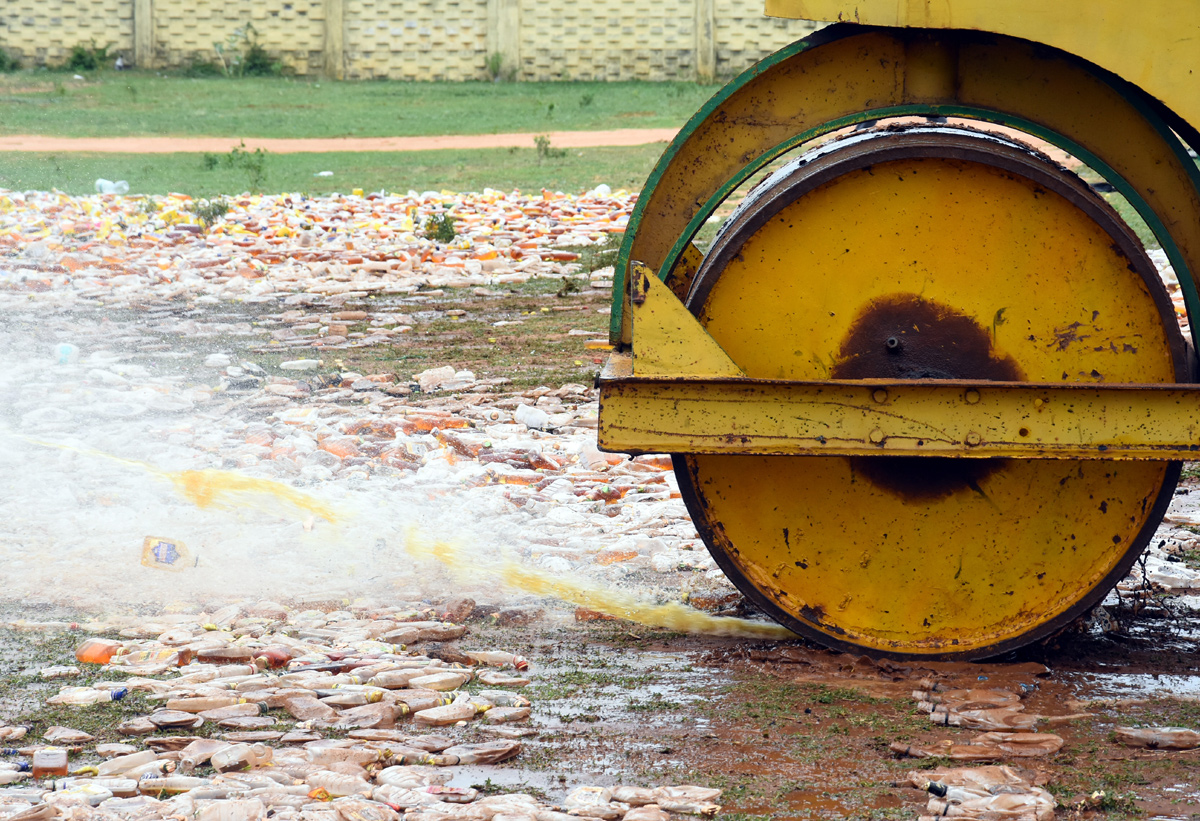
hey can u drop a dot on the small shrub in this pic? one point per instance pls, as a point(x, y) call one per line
point(209, 211)
point(601, 255)
point(241, 55)
point(586, 100)
point(8, 62)
point(254, 163)
point(201, 68)
point(440, 228)
point(257, 63)
point(498, 70)
point(544, 151)
point(87, 57)
point(569, 286)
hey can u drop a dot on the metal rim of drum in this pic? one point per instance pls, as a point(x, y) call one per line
point(945, 143)
point(942, 144)
point(676, 194)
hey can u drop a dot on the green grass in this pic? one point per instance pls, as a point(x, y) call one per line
point(455, 170)
point(135, 103)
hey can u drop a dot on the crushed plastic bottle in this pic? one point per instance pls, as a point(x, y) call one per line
point(104, 186)
point(987, 747)
point(995, 718)
point(165, 656)
point(66, 354)
point(241, 757)
point(446, 715)
point(487, 752)
point(166, 554)
point(338, 784)
point(197, 754)
point(532, 417)
point(969, 699)
point(60, 671)
point(991, 777)
point(503, 698)
point(173, 784)
point(98, 651)
point(49, 762)
point(498, 659)
point(1159, 738)
point(688, 799)
point(84, 696)
point(1039, 805)
point(989, 792)
point(125, 763)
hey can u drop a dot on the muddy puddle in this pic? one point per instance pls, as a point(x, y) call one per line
point(791, 731)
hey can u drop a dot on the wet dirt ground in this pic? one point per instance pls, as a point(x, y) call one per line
point(786, 729)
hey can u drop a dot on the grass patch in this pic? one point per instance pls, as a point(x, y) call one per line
point(775, 701)
point(537, 350)
point(454, 170)
point(656, 703)
point(1191, 470)
point(142, 103)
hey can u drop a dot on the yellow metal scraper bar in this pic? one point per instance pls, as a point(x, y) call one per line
point(679, 392)
point(969, 419)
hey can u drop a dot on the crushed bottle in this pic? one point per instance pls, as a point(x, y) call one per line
point(1158, 738)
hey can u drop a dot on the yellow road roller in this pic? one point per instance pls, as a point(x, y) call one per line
point(926, 393)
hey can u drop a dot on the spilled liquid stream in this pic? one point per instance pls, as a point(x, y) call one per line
point(211, 488)
point(216, 488)
point(672, 615)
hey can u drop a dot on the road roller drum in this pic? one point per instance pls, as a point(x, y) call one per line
point(925, 391)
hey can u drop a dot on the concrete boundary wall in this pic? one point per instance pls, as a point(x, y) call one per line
point(416, 39)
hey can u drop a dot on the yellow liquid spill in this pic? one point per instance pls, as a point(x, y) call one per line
point(217, 488)
point(222, 488)
point(622, 605)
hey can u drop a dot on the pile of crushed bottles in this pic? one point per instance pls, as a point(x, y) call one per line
point(264, 711)
point(380, 242)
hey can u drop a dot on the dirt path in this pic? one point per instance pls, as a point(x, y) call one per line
point(171, 145)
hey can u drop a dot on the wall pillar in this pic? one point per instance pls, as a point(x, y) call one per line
point(706, 41)
point(335, 39)
point(504, 37)
point(143, 33)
